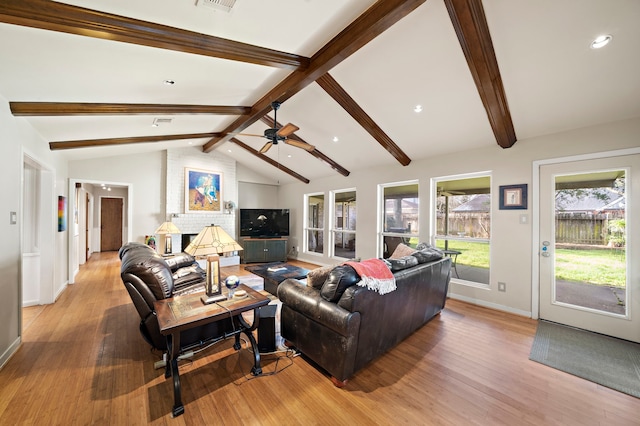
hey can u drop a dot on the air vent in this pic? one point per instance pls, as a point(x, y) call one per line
point(224, 5)
point(158, 121)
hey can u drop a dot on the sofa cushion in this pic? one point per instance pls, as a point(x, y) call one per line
point(317, 277)
point(401, 250)
point(401, 263)
point(428, 255)
point(339, 279)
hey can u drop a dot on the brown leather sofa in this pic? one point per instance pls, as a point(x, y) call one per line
point(342, 327)
point(148, 277)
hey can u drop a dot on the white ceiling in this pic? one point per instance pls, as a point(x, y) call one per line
point(552, 79)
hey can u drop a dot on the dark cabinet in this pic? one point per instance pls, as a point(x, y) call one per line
point(265, 250)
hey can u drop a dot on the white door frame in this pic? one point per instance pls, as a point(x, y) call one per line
point(73, 265)
point(535, 248)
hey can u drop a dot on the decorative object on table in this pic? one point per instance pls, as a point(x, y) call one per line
point(211, 242)
point(232, 282)
point(202, 191)
point(167, 229)
point(513, 197)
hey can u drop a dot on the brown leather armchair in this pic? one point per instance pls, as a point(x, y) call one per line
point(148, 277)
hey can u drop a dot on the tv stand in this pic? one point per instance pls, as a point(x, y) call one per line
point(264, 250)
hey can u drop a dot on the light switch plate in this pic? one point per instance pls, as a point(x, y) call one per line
point(13, 218)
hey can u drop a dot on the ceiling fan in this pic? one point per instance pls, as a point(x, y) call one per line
point(284, 133)
point(450, 193)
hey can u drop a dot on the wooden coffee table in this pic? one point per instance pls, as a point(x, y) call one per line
point(185, 312)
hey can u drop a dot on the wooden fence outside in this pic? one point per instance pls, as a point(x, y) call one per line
point(571, 228)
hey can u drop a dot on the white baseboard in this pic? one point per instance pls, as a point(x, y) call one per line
point(6, 356)
point(490, 305)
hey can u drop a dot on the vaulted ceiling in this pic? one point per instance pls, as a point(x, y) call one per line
point(90, 76)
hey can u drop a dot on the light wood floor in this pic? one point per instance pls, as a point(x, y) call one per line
point(83, 362)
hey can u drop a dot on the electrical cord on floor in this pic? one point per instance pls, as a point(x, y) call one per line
point(289, 355)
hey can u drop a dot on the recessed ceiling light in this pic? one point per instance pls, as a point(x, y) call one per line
point(289, 156)
point(169, 82)
point(335, 139)
point(417, 108)
point(601, 41)
point(228, 150)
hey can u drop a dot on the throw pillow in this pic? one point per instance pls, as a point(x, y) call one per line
point(401, 251)
point(428, 255)
point(317, 277)
point(340, 278)
point(423, 246)
point(401, 263)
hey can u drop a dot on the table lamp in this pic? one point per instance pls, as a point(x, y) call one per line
point(167, 229)
point(211, 242)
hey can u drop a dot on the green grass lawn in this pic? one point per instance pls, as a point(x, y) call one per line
point(603, 267)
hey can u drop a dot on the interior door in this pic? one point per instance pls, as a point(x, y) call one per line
point(588, 232)
point(110, 224)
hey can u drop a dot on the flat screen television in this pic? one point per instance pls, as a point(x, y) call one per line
point(264, 223)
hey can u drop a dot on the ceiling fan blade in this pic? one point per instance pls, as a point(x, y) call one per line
point(266, 147)
point(299, 144)
point(287, 129)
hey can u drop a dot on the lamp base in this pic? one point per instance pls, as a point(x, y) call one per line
point(207, 300)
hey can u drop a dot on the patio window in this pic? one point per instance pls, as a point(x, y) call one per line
point(343, 224)
point(399, 216)
point(462, 224)
point(314, 223)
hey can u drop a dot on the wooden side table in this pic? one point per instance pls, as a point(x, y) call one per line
point(185, 312)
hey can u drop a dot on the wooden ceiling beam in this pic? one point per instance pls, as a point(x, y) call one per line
point(319, 155)
point(333, 89)
point(269, 160)
point(373, 22)
point(124, 141)
point(75, 108)
point(470, 24)
point(54, 16)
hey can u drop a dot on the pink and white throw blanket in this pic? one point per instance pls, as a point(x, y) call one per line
point(375, 275)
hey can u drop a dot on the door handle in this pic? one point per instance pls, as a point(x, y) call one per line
point(545, 249)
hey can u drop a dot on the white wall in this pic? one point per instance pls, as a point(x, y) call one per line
point(17, 138)
point(143, 172)
point(157, 188)
point(511, 249)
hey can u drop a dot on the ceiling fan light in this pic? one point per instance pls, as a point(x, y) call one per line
point(601, 41)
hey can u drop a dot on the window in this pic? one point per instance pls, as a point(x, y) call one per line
point(399, 212)
point(462, 224)
point(314, 224)
point(343, 224)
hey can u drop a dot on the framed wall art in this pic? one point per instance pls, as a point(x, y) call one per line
point(202, 191)
point(513, 197)
point(62, 213)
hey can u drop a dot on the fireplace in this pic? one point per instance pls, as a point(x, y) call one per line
point(186, 239)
